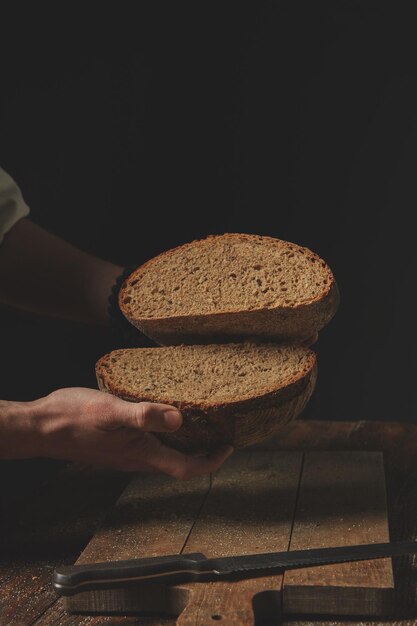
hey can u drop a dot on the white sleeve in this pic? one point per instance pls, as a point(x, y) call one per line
point(12, 205)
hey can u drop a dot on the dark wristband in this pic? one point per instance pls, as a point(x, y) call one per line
point(117, 319)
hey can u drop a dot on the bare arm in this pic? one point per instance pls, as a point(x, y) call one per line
point(42, 273)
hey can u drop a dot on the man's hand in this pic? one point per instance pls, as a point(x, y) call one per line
point(79, 424)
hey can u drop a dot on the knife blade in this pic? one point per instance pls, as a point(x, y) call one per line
point(69, 580)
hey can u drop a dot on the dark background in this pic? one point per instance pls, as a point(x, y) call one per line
point(132, 132)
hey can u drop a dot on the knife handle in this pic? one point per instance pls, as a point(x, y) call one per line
point(71, 579)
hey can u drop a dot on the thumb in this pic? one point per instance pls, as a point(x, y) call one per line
point(147, 416)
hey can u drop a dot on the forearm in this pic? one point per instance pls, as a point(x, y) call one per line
point(19, 436)
point(44, 274)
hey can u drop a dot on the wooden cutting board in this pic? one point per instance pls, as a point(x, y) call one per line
point(257, 502)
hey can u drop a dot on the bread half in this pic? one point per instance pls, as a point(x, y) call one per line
point(227, 393)
point(229, 288)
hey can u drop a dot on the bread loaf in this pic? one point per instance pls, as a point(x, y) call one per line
point(227, 393)
point(229, 288)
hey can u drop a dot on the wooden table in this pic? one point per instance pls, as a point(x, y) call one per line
point(48, 517)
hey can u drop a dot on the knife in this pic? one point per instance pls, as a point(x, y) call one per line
point(69, 580)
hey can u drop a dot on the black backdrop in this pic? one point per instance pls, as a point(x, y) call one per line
point(132, 132)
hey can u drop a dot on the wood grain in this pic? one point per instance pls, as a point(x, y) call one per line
point(249, 510)
point(153, 517)
point(48, 523)
point(70, 511)
point(341, 501)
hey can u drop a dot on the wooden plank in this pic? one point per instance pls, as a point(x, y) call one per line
point(25, 593)
point(76, 515)
point(44, 524)
point(342, 501)
point(153, 517)
point(249, 510)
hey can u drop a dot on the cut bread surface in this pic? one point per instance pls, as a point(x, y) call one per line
point(226, 273)
point(229, 288)
point(238, 394)
point(204, 376)
point(244, 304)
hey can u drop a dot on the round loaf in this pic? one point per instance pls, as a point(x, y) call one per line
point(230, 288)
point(238, 394)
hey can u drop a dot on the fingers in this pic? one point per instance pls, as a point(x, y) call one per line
point(182, 466)
point(147, 452)
point(145, 416)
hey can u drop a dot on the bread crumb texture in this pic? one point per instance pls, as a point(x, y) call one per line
point(226, 273)
point(203, 375)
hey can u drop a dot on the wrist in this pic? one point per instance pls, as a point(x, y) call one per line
point(20, 436)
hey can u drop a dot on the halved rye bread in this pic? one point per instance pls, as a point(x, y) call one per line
point(227, 393)
point(228, 288)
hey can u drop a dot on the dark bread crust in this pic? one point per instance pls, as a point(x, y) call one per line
point(281, 324)
point(241, 422)
point(243, 428)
